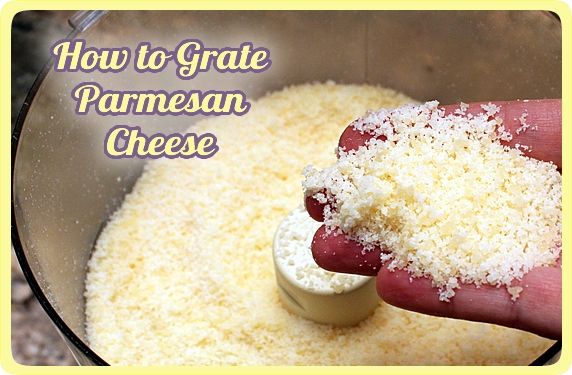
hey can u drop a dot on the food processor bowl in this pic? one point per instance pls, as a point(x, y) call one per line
point(64, 188)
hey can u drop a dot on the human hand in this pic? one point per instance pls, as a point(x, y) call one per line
point(539, 307)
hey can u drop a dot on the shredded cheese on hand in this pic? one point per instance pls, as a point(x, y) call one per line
point(445, 197)
point(182, 274)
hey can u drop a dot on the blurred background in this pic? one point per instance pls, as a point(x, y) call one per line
point(35, 341)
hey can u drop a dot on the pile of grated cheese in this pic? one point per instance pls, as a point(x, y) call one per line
point(445, 197)
point(182, 274)
point(292, 247)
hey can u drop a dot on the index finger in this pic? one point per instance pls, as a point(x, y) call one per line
point(534, 123)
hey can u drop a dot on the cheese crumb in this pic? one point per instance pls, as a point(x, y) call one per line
point(514, 291)
point(444, 195)
point(462, 110)
point(523, 125)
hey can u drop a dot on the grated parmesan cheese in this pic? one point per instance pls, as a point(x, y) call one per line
point(182, 274)
point(514, 291)
point(447, 199)
point(523, 125)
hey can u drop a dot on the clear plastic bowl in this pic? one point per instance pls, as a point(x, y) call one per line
point(64, 188)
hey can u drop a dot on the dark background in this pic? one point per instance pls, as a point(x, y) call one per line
point(35, 341)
